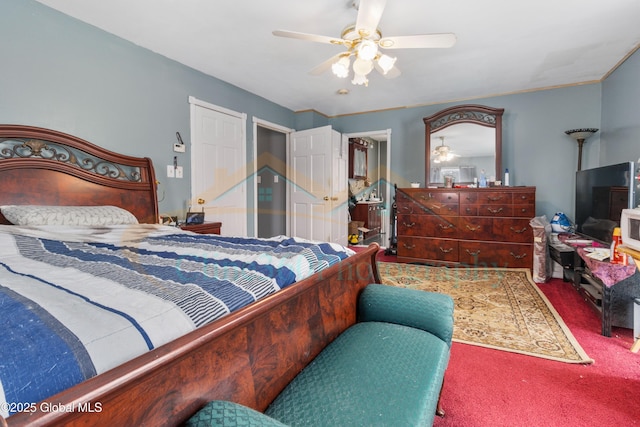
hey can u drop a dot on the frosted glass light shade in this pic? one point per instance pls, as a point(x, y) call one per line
point(386, 63)
point(367, 50)
point(341, 67)
point(361, 66)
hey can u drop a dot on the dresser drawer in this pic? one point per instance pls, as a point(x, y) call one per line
point(427, 225)
point(438, 202)
point(495, 198)
point(524, 198)
point(524, 211)
point(513, 230)
point(475, 228)
point(428, 248)
point(495, 210)
point(493, 254)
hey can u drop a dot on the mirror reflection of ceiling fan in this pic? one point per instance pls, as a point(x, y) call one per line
point(366, 45)
point(443, 153)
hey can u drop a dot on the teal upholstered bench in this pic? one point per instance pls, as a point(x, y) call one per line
point(387, 369)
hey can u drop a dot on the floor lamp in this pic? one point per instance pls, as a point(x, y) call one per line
point(580, 135)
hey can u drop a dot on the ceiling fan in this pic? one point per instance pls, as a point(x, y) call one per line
point(364, 42)
point(443, 153)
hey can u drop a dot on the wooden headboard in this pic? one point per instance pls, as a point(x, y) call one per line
point(45, 167)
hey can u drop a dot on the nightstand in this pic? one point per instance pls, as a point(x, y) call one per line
point(204, 228)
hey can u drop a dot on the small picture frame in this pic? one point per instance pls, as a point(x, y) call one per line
point(194, 218)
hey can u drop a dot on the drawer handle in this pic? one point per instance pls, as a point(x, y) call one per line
point(523, 210)
point(522, 230)
point(427, 198)
point(494, 199)
point(408, 246)
point(445, 251)
point(476, 253)
point(469, 210)
point(445, 227)
point(407, 208)
point(518, 256)
point(495, 211)
point(474, 229)
point(409, 225)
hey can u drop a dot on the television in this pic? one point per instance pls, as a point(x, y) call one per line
point(601, 194)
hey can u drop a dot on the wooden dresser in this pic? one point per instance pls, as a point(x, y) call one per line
point(474, 227)
point(370, 214)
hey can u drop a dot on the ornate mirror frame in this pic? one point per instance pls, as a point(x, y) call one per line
point(470, 113)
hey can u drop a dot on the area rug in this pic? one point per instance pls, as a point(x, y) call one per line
point(499, 308)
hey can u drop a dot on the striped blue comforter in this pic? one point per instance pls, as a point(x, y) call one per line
point(78, 302)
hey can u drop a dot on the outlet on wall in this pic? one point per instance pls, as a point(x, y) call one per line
point(171, 171)
point(179, 172)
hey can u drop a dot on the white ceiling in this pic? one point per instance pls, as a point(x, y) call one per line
point(503, 46)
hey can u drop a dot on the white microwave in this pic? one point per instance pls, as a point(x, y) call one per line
point(630, 228)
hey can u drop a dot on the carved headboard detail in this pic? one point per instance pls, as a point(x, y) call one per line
point(46, 167)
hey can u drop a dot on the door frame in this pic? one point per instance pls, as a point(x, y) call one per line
point(257, 122)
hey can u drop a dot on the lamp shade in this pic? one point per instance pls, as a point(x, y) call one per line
point(581, 133)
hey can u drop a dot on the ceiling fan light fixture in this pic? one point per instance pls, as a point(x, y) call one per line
point(360, 79)
point(341, 67)
point(361, 66)
point(386, 63)
point(367, 50)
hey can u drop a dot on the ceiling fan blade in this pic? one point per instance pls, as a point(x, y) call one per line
point(419, 41)
point(308, 37)
point(321, 68)
point(369, 14)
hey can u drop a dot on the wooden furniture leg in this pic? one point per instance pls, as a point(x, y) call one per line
point(439, 409)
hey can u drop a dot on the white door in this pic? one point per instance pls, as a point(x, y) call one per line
point(218, 163)
point(318, 201)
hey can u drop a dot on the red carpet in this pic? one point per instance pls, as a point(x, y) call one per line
point(485, 387)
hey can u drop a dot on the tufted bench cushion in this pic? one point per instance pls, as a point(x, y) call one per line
point(385, 370)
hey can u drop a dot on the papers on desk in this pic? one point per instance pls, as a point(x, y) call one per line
point(598, 253)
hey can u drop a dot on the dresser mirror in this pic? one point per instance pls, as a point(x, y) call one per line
point(463, 144)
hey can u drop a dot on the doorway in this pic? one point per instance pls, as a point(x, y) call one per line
point(378, 180)
point(271, 182)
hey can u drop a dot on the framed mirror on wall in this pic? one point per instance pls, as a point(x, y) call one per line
point(358, 160)
point(463, 144)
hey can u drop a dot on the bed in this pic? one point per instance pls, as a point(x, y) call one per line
point(200, 317)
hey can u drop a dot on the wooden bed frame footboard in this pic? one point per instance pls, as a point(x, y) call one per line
point(248, 357)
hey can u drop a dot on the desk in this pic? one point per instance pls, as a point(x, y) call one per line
point(605, 275)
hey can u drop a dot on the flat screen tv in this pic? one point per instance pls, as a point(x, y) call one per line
point(601, 194)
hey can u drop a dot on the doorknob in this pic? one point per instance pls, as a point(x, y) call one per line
point(326, 198)
point(201, 201)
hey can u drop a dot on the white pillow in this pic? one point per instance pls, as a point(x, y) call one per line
point(67, 215)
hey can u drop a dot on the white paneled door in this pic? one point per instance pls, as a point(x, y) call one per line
point(218, 162)
point(318, 171)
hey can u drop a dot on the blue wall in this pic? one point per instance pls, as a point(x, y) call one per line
point(621, 113)
point(535, 148)
point(63, 74)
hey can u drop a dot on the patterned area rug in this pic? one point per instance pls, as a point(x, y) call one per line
point(496, 308)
